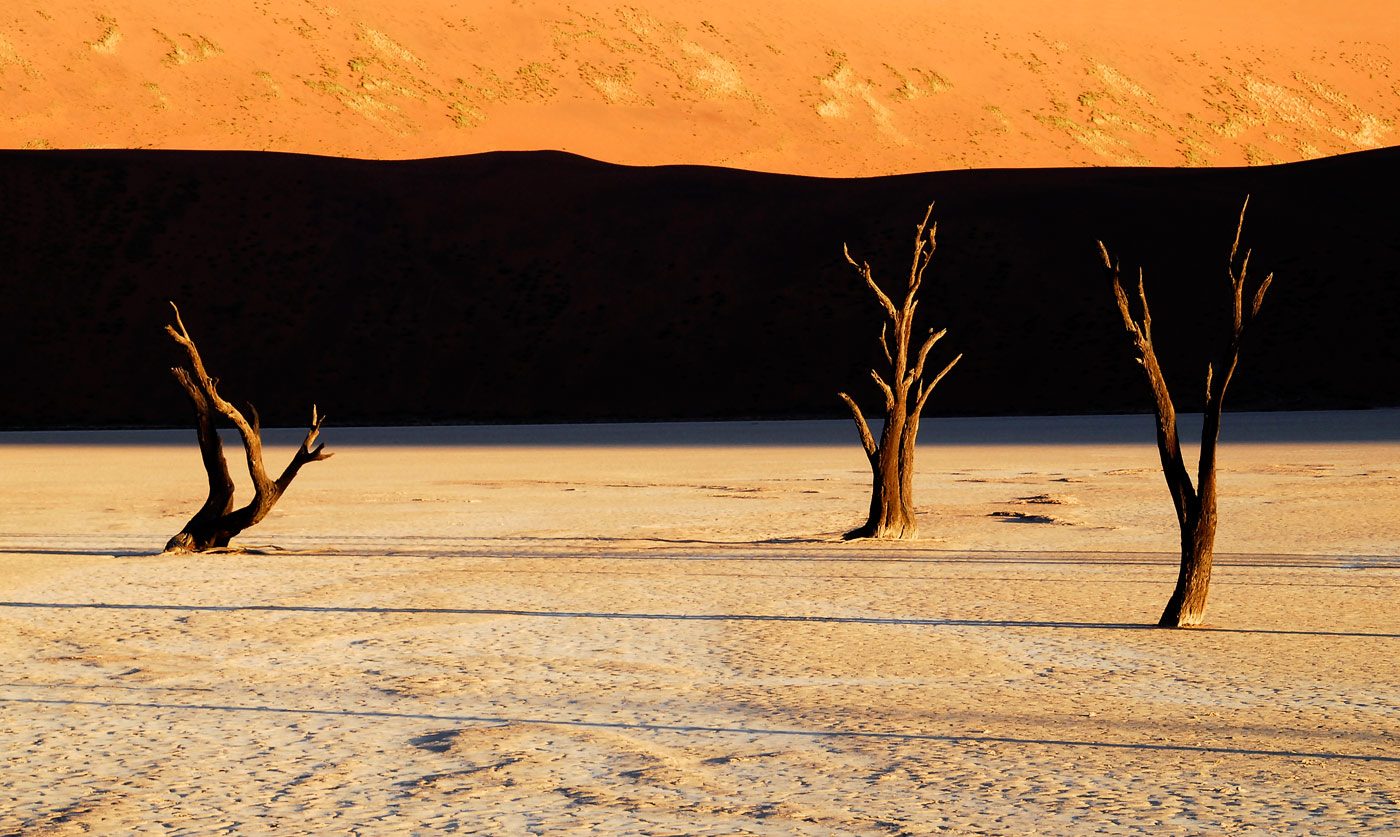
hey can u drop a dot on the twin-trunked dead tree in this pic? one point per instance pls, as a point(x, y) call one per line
point(218, 521)
point(1195, 506)
point(905, 391)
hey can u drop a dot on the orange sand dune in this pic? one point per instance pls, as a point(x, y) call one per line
point(828, 88)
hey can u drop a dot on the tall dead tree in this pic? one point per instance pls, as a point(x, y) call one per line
point(217, 521)
point(905, 391)
point(1195, 505)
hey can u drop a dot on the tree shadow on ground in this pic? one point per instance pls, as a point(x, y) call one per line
point(679, 617)
point(827, 734)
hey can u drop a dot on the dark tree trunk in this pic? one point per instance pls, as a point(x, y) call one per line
point(892, 460)
point(1187, 606)
point(891, 494)
point(1195, 504)
point(217, 521)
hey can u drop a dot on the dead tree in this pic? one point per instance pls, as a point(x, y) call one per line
point(905, 391)
point(1195, 506)
point(218, 521)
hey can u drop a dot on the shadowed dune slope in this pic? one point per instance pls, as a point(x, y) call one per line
point(543, 286)
point(816, 87)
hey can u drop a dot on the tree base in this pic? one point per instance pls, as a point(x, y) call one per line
point(181, 544)
point(1171, 619)
point(186, 543)
point(878, 531)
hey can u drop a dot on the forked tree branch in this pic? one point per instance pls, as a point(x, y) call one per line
point(1168, 443)
point(922, 257)
point(1142, 335)
point(1215, 390)
point(1238, 280)
point(1239, 230)
point(890, 399)
point(925, 390)
point(305, 453)
point(216, 522)
point(211, 447)
point(933, 337)
point(1259, 296)
point(867, 441)
point(864, 270)
point(252, 440)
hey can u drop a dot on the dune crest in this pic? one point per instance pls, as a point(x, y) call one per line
point(802, 88)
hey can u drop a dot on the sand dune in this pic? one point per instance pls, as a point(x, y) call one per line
point(824, 88)
point(473, 630)
point(544, 287)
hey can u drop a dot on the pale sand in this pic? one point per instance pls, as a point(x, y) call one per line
point(818, 87)
point(614, 632)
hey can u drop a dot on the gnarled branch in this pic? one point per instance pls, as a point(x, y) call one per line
point(866, 439)
point(926, 390)
point(933, 337)
point(1168, 443)
point(890, 400)
point(217, 522)
point(864, 270)
point(922, 256)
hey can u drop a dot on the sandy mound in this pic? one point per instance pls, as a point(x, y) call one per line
point(441, 291)
point(824, 88)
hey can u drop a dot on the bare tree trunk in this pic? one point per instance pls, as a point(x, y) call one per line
point(1187, 606)
point(1195, 505)
point(892, 460)
point(217, 522)
point(891, 493)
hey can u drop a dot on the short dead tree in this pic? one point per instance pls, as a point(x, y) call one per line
point(1195, 506)
point(218, 521)
point(905, 392)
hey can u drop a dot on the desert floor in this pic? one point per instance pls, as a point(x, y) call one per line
point(656, 630)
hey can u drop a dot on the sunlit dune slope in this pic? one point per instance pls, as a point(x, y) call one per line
point(828, 88)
